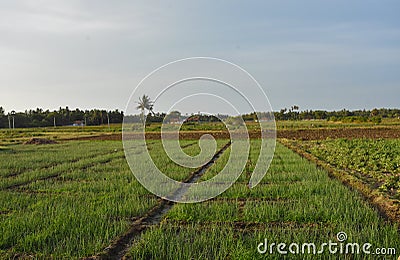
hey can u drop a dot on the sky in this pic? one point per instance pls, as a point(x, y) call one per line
point(92, 54)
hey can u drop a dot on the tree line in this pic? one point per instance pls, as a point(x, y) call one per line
point(293, 113)
point(344, 115)
point(65, 116)
point(375, 115)
point(60, 117)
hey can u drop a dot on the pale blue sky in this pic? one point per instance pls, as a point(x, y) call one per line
point(92, 54)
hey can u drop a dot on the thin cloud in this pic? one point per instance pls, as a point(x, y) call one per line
point(53, 17)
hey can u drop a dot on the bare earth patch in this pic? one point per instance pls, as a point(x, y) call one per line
point(39, 141)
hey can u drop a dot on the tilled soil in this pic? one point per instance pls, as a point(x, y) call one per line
point(300, 134)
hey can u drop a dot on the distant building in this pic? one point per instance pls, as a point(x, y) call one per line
point(193, 119)
point(173, 120)
point(78, 123)
point(262, 119)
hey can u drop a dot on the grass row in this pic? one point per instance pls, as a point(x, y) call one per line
point(77, 213)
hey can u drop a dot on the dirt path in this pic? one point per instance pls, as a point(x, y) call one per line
point(120, 246)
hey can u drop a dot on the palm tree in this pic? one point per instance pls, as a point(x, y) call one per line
point(145, 103)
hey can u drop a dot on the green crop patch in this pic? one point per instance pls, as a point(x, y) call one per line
point(295, 202)
point(374, 161)
point(77, 206)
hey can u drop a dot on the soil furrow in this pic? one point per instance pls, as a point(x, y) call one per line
point(249, 226)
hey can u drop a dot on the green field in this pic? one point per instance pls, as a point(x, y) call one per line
point(295, 202)
point(19, 135)
point(72, 199)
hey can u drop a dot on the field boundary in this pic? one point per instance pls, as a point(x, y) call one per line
point(251, 199)
point(387, 207)
point(244, 226)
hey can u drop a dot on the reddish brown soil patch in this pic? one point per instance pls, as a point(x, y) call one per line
point(102, 137)
point(38, 141)
point(324, 133)
point(300, 134)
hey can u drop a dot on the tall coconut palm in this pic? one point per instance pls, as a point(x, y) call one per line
point(145, 103)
